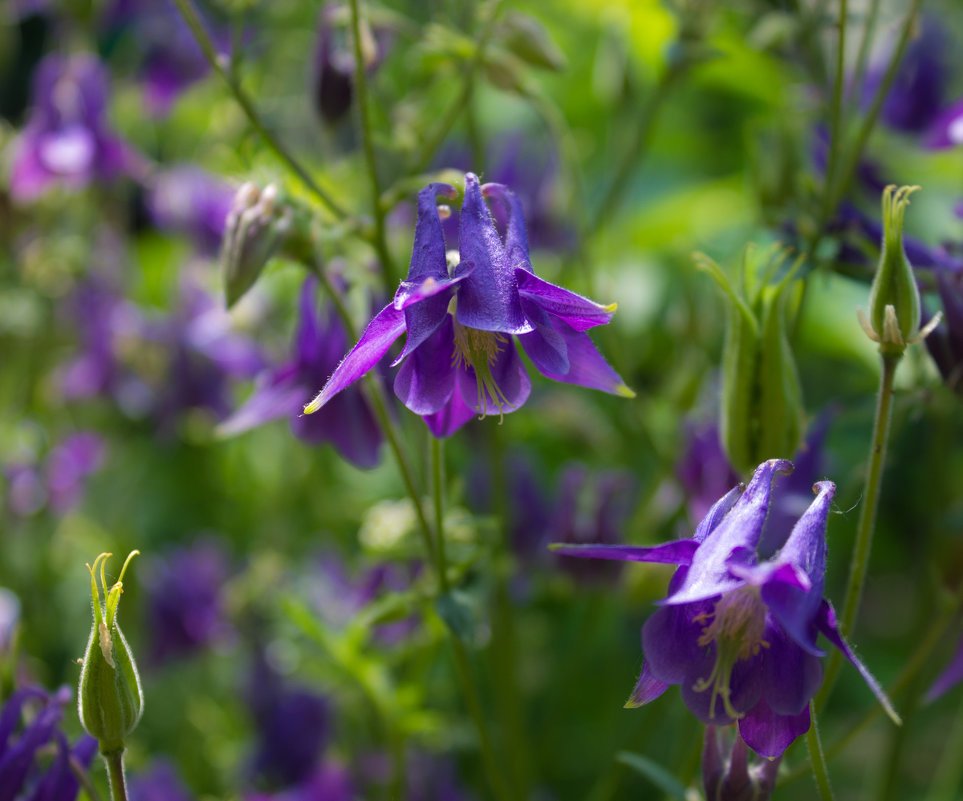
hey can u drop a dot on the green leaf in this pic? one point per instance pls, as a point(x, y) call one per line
point(527, 38)
point(654, 772)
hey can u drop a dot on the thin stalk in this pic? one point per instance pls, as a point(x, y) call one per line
point(367, 145)
point(433, 141)
point(865, 44)
point(83, 779)
point(193, 20)
point(438, 496)
point(836, 111)
point(859, 563)
point(817, 759)
point(115, 775)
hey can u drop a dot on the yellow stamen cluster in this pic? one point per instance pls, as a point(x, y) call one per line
point(479, 350)
point(736, 625)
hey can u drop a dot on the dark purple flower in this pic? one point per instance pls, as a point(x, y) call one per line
point(21, 739)
point(459, 358)
point(160, 783)
point(947, 129)
point(915, 97)
point(185, 609)
point(730, 777)
point(69, 464)
point(330, 782)
point(319, 342)
point(945, 344)
point(704, 470)
point(67, 140)
point(737, 634)
point(293, 726)
point(191, 201)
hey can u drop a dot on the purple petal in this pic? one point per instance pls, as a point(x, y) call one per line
point(426, 308)
point(381, 332)
point(717, 513)
point(951, 675)
point(746, 687)
point(347, 423)
point(768, 733)
point(276, 394)
point(678, 552)
point(709, 575)
point(428, 258)
point(489, 299)
point(670, 641)
point(545, 346)
point(829, 626)
point(646, 689)
point(516, 237)
point(947, 130)
point(578, 311)
point(427, 378)
point(449, 418)
point(510, 377)
point(792, 675)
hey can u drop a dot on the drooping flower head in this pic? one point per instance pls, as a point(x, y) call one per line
point(67, 140)
point(737, 634)
point(459, 357)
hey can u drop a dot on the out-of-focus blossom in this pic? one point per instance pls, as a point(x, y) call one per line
point(460, 358)
point(432, 778)
point(949, 677)
point(330, 782)
point(945, 344)
point(67, 140)
point(737, 634)
point(185, 610)
point(191, 201)
point(319, 343)
point(729, 777)
point(704, 470)
point(947, 129)
point(159, 783)
point(9, 619)
point(333, 69)
point(22, 737)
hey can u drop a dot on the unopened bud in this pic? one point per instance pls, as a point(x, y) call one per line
point(254, 232)
point(110, 696)
point(730, 777)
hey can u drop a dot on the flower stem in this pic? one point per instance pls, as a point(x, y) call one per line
point(836, 112)
point(859, 563)
point(367, 144)
point(438, 497)
point(949, 771)
point(193, 20)
point(115, 775)
point(83, 778)
point(816, 757)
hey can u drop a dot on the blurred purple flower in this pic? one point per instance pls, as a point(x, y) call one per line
point(319, 343)
point(432, 778)
point(947, 129)
point(9, 620)
point(160, 783)
point(67, 140)
point(949, 677)
point(185, 610)
point(21, 739)
point(293, 726)
point(189, 200)
point(945, 344)
point(737, 634)
point(704, 470)
point(330, 782)
point(459, 358)
point(729, 777)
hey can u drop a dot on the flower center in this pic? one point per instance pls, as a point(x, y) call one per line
point(479, 349)
point(736, 625)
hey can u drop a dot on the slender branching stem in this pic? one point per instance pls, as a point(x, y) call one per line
point(193, 20)
point(865, 45)
point(817, 758)
point(367, 145)
point(115, 775)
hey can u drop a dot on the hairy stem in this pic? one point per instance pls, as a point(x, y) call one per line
point(115, 775)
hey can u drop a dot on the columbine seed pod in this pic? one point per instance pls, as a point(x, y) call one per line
point(762, 406)
point(894, 300)
point(110, 697)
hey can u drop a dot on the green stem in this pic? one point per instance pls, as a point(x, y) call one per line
point(836, 112)
point(190, 15)
point(859, 563)
point(865, 43)
point(115, 775)
point(433, 141)
point(817, 759)
point(949, 771)
point(367, 144)
point(438, 496)
point(80, 773)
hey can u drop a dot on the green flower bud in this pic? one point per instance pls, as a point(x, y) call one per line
point(762, 406)
point(894, 301)
point(254, 231)
point(110, 697)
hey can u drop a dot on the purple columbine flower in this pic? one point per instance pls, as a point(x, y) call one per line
point(459, 357)
point(737, 634)
point(20, 741)
point(67, 140)
point(191, 201)
point(160, 783)
point(185, 610)
point(704, 470)
point(319, 342)
point(729, 776)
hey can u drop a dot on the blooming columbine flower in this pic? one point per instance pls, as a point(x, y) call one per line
point(738, 635)
point(459, 357)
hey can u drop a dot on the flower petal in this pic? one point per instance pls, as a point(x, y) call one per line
point(381, 332)
point(516, 236)
point(951, 675)
point(510, 377)
point(428, 252)
point(452, 416)
point(348, 423)
point(276, 394)
point(576, 310)
point(678, 552)
point(746, 687)
point(646, 689)
point(545, 346)
point(427, 378)
point(489, 299)
point(768, 733)
point(792, 675)
point(670, 641)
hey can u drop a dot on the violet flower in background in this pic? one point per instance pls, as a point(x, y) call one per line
point(159, 783)
point(462, 363)
point(185, 608)
point(946, 130)
point(704, 470)
point(67, 140)
point(729, 776)
point(738, 635)
point(949, 677)
point(191, 201)
point(945, 344)
point(22, 737)
point(319, 343)
point(330, 782)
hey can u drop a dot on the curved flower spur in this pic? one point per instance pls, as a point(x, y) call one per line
point(459, 357)
point(738, 635)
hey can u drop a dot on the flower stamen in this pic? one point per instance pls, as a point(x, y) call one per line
point(479, 350)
